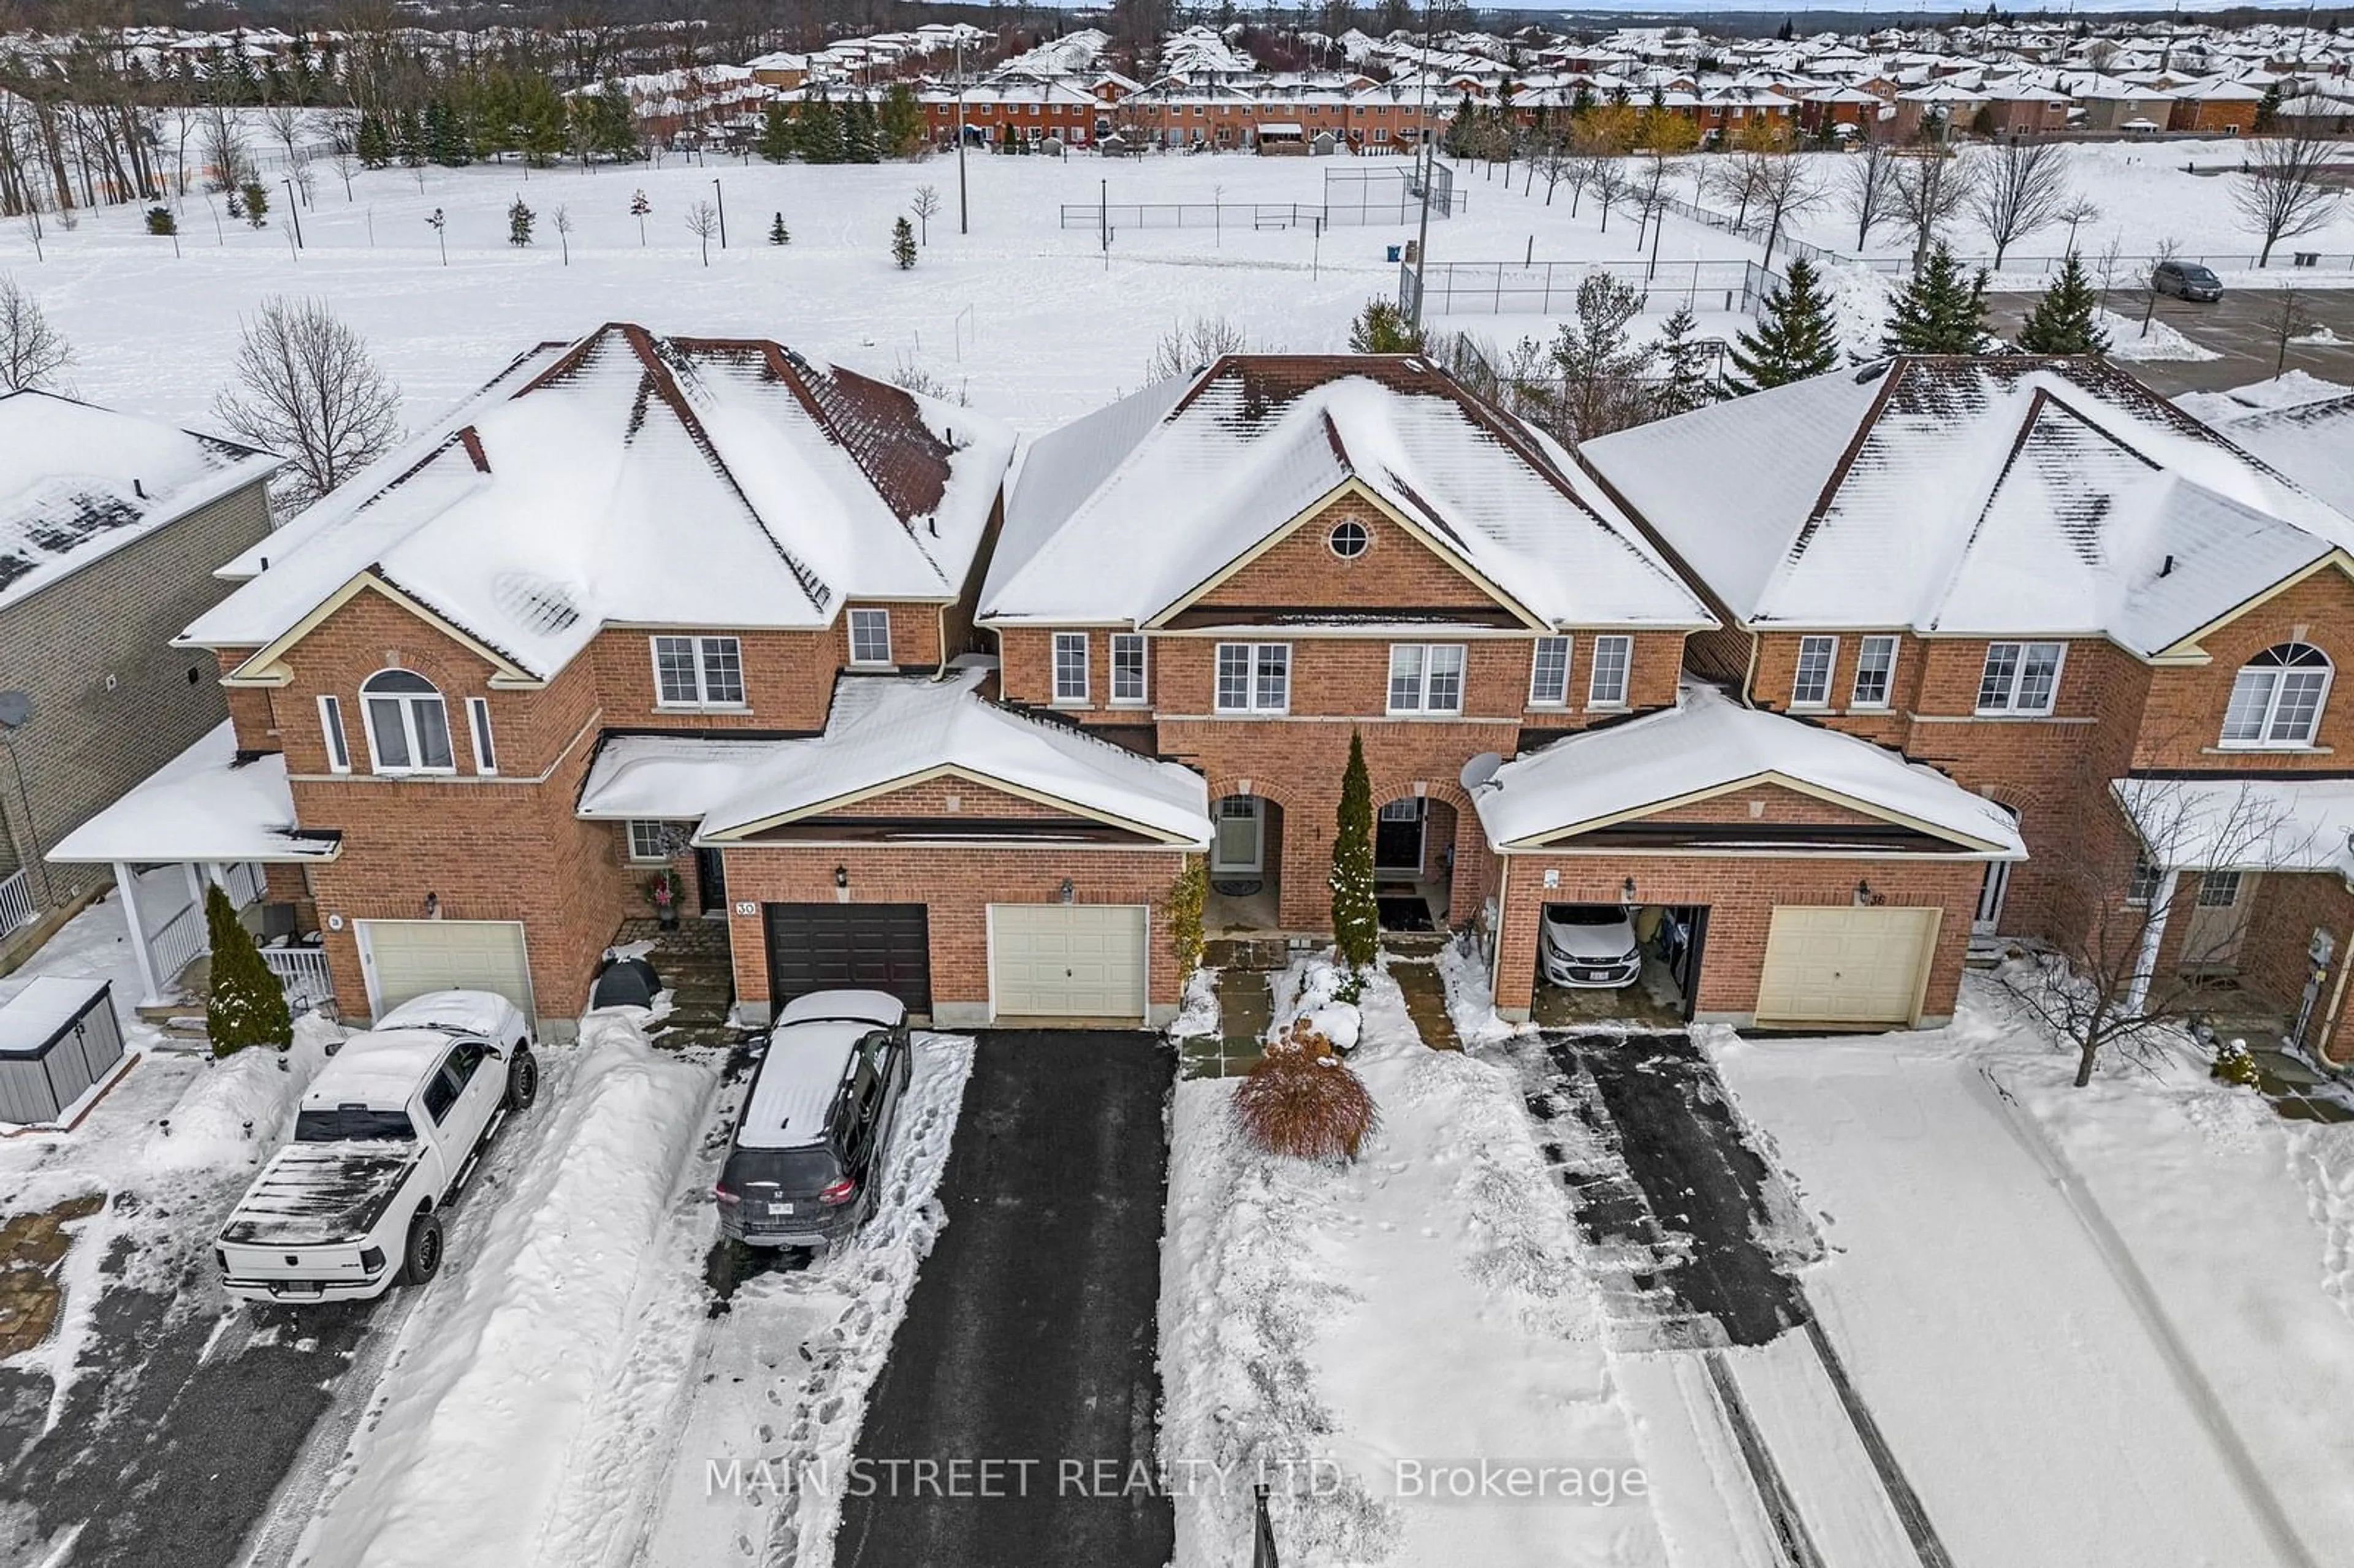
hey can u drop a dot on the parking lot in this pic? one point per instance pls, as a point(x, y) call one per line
point(2243, 328)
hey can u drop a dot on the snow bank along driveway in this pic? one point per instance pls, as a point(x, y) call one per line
point(2054, 1403)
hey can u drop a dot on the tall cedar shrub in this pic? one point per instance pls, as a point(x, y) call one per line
point(1382, 327)
point(903, 243)
point(1187, 895)
point(1303, 1101)
point(1794, 339)
point(248, 1006)
point(2062, 321)
point(1356, 917)
point(1942, 309)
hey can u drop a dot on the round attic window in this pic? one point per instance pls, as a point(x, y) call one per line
point(1349, 539)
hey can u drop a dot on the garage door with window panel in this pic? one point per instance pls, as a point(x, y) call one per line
point(1846, 967)
point(1067, 961)
point(406, 958)
point(865, 947)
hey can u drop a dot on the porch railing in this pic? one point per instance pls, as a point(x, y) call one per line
point(303, 972)
point(241, 880)
point(176, 942)
point(18, 907)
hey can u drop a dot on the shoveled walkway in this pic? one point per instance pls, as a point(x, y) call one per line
point(1030, 1339)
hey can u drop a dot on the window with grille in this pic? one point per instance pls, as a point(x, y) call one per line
point(1810, 686)
point(1426, 678)
point(1253, 677)
point(698, 672)
point(1549, 673)
point(1070, 666)
point(1875, 672)
point(1606, 687)
point(2276, 697)
point(2019, 677)
point(870, 637)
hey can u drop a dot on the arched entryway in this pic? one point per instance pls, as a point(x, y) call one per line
point(1414, 862)
point(1245, 864)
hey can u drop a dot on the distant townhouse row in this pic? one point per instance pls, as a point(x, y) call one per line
point(1817, 686)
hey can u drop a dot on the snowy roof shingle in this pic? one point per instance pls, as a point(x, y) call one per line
point(1990, 497)
point(1124, 514)
point(78, 481)
point(629, 477)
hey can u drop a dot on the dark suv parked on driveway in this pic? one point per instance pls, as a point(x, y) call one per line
point(805, 1166)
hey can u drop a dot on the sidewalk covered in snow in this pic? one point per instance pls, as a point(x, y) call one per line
point(206, 817)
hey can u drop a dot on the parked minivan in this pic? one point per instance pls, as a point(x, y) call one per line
point(805, 1165)
point(2187, 281)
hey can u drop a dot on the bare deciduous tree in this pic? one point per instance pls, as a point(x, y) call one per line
point(927, 202)
point(306, 388)
point(2281, 190)
point(1868, 189)
point(32, 353)
point(1785, 189)
point(2284, 320)
point(1931, 187)
point(2019, 188)
point(562, 218)
point(1192, 345)
point(703, 222)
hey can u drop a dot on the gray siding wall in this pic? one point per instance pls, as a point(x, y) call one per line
point(87, 744)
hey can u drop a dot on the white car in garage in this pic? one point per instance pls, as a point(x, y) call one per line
point(1590, 946)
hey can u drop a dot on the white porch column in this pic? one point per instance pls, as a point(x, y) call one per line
point(2152, 935)
point(128, 884)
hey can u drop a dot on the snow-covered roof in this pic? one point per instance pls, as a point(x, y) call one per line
point(1125, 513)
point(1970, 497)
point(885, 731)
point(2242, 824)
point(203, 805)
point(1707, 744)
point(2310, 441)
point(634, 478)
point(78, 481)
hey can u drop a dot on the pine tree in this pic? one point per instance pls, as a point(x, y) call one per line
point(1356, 917)
point(519, 221)
point(1382, 327)
point(2062, 321)
point(257, 202)
point(900, 122)
point(778, 141)
point(247, 1005)
point(372, 143)
point(903, 243)
point(860, 140)
point(639, 207)
point(1940, 311)
point(1795, 340)
point(819, 131)
point(777, 234)
point(1689, 385)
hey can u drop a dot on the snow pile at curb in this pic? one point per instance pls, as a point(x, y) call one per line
point(1197, 1014)
point(468, 1456)
point(1470, 1004)
point(1324, 1327)
point(243, 1108)
point(2162, 342)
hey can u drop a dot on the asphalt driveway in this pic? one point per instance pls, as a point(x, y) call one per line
point(1030, 1339)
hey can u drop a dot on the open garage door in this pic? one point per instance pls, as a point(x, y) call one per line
point(1846, 968)
point(1066, 960)
point(860, 947)
point(405, 959)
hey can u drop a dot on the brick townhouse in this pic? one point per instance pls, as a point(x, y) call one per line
point(2066, 594)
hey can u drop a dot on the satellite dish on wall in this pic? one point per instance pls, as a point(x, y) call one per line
point(1481, 770)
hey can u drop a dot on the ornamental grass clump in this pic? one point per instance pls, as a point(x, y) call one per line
point(1302, 1100)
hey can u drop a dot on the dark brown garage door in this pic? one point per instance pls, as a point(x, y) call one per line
point(868, 947)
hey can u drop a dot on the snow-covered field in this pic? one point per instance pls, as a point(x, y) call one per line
point(2101, 1327)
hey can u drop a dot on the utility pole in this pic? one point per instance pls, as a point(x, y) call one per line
point(1103, 220)
point(723, 213)
point(1422, 240)
point(964, 216)
point(293, 212)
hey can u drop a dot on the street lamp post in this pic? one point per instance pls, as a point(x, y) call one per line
point(723, 213)
point(964, 218)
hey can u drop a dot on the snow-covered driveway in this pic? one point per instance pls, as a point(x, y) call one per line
point(2045, 1414)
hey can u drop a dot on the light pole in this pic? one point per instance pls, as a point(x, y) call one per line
point(294, 210)
point(1422, 240)
point(723, 213)
point(16, 713)
point(964, 223)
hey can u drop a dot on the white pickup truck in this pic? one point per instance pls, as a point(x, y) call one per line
point(387, 1132)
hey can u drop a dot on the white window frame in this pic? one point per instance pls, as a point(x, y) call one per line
point(1254, 672)
point(2265, 739)
point(1815, 691)
point(1131, 642)
point(1600, 660)
point(1064, 696)
point(863, 624)
point(631, 831)
point(408, 704)
point(2009, 703)
point(1537, 694)
point(330, 725)
point(701, 649)
point(1423, 677)
point(1864, 649)
point(2142, 884)
point(478, 732)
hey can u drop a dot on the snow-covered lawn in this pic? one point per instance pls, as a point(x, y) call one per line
point(1423, 1305)
point(2099, 1326)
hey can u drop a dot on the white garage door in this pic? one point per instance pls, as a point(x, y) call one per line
point(1066, 960)
point(408, 957)
point(1846, 967)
